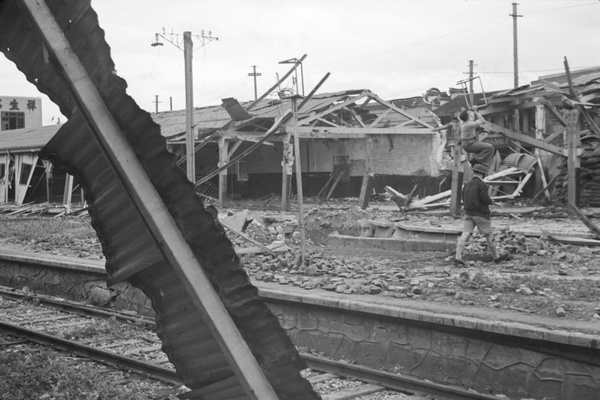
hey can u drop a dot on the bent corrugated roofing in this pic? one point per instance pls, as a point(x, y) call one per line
point(127, 241)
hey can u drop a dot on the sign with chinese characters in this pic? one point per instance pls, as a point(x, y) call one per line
point(20, 112)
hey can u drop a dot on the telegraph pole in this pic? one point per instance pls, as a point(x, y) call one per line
point(471, 65)
point(156, 102)
point(516, 116)
point(515, 43)
point(189, 107)
point(254, 74)
point(188, 50)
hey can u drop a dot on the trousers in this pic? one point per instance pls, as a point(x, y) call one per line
point(484, 152)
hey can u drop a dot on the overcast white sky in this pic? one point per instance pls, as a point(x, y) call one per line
point(395, 48)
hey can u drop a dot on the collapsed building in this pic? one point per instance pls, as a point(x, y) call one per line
point(343, 137)
point(349, 138)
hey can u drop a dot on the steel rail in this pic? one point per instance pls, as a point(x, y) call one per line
point(102, 356)
point(79, 308)
point(400, 383)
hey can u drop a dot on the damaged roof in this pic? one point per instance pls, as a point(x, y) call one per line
point(28, 139)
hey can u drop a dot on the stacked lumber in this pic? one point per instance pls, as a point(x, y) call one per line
point(589, 173)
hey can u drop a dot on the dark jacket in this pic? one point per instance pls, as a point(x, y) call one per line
point(476, 199)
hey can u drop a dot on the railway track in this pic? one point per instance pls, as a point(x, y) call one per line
point(128, 342)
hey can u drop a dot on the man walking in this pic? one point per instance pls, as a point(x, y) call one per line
point(477, 214)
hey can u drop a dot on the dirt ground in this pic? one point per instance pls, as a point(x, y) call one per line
point(544, 277)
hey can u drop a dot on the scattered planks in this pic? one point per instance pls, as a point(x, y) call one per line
point(38, 209)
point(443, 199)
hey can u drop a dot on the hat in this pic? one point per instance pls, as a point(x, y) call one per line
point(480, 168)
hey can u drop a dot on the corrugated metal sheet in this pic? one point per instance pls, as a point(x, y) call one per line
point(125, 239)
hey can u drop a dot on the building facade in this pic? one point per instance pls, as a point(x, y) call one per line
point(20, 112)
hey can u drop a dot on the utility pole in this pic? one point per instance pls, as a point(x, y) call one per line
point(156, 102)
point(515, 43)
point(188, 47)
point(188, 50)
point(471, 65)
point(254, 74)
point(516, 116)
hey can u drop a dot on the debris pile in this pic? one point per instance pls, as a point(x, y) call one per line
point(589, 173)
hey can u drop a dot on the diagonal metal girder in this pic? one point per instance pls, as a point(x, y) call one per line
point(150, 206)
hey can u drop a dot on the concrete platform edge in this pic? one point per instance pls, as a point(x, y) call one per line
point(382, 307)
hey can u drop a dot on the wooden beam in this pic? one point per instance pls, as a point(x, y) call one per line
point(524, 138)
point(286, 171)
point(586, 221)
point(348, 131)
point(502, 109)
point(150, 206)
point(307, 120)
point(457, 181)
point(381, 116)
point(399, 110)
point(249, 150)
point(223, 160)
point(553, 136)
point(550, 107)
point(367, 182)
point(581, 108)
point(233, 148)
point(571, 117)
point(540, 130)
point(328, 122)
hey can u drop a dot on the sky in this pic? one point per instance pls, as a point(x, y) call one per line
point(395, 48)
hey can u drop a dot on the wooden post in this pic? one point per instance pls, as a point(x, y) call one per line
point(286, 171)
point(223, 160)
point(68, 190)
point(298, 178)
point(573, 195)
point(457, 181)
point(367, 182)
point(540, 129)
point(48, 167)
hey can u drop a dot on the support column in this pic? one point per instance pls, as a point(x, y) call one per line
point(299, 180)
point(540, 130)
point(286, 170)
point(573, 189)
point(48, 167)
point(223, 160)
point(367, 183)
point(457, 181)
point(68, 190)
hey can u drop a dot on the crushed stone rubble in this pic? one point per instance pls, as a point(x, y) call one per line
point(542, 277)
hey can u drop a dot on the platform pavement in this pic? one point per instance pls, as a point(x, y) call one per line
point(561, 330)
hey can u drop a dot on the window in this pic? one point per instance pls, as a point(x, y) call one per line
point(242, 171)
point(12, 120)
point(25, 171)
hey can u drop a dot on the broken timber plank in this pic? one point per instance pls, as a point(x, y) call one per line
point(586, 221)
point(525, 139)
point(430, 199)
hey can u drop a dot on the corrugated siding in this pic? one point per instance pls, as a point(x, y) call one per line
point(125, 239)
